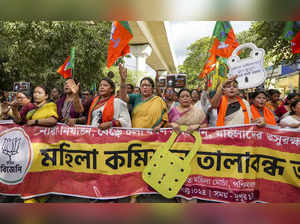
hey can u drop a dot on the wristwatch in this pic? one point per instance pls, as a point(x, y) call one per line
point(36, 122)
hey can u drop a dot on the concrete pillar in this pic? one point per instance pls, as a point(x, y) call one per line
point(141, 53)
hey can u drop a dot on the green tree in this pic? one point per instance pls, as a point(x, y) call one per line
point(196, 57)
point(269, 37)
point(32, 51)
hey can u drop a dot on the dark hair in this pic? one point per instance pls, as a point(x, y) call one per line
point(44, 88)
point(129, 84)
point(196, 91)
point(148, 79)
point(56, 89)
point(183, 90)
point(169, 87)
point(290, 96)
point(293, 105)
point(111, 83)
point(1, 93)
point(256, 93)
point(28, 96)
point(211, 93)
point(271, 92)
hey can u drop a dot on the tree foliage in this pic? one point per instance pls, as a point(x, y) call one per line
point(196, 58)
point(264, 34)
point(269, 37)
point(32, 51)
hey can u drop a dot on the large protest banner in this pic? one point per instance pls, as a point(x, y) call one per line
point(234, 164)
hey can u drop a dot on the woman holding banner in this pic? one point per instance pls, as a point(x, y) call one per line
point(259, 109)
point(44, 113)
point(106, 111)
point(149, 111)
point(232, 109)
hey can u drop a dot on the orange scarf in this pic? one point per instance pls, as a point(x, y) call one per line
point(268, 115)
point(108, 112)
point(223, 109)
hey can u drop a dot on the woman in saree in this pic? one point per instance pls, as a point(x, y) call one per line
point(232, 109)
point(259, 109)
point(44, 112)
point(189, 115)
point(106, 110)
point(186, 113)
point(148, 111)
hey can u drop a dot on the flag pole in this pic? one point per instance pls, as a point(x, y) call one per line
point(209, 46)
point(73, 70)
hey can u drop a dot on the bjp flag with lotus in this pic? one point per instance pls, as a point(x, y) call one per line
point(67, 69)
point(120, 36)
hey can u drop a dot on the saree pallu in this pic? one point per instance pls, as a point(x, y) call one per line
point(149, 113)
point(45, 111)
point(193, 115)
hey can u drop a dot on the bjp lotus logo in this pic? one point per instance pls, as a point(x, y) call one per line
point(11, 147)
point(15, 155)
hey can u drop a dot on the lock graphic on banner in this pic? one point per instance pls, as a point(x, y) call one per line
point(250, 71)
point(166, 172)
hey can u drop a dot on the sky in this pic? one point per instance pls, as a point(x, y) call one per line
point(183, 34)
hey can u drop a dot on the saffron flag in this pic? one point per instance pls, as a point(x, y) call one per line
point(209, 66)
point(67, 69)
point(292, 33)
point(225, 41)
point(223, 46)
point(120, 36)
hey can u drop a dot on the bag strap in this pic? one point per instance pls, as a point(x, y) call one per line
point(169, 143)
point(196, 146)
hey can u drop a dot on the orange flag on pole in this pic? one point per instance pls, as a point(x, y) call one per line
point(120, 36)
point(67, 69)
point(209, 65)
point(225, 41)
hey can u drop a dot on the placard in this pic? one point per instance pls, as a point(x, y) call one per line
point(171, 79)
point(162, 82)
point(180, 81)
point(250, 71)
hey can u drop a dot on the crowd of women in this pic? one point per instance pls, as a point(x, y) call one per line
point(147, 107)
